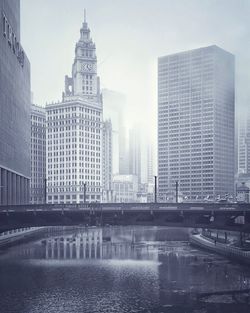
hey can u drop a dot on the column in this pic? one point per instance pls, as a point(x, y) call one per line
point(95, 249)
point(1, 186)
point(9, 188)
point(52, 249)
point(14, 188)
point(47, 250)
point(21, 190)
point(28, 190)
point(78, 247)
point(70, 250)
point(84, 247)
point(58, 249)
point(64, 248)
point(4, 186)
point(18, 189)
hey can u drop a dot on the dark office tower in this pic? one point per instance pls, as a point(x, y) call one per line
point(196, 123)
point(14, 109)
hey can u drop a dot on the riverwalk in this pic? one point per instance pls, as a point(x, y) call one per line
point(224, 249)
point(15, 235)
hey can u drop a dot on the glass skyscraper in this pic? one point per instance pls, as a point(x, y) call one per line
point(196, 123)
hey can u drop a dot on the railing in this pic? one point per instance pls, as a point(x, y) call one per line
point(225, 249)
point(129, 206)
point(17, 232)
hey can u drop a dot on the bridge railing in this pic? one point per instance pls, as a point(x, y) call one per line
point(129, 206)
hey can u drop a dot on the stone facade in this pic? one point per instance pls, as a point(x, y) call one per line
point(74, 131)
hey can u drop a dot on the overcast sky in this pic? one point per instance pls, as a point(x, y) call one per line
point(130, 35)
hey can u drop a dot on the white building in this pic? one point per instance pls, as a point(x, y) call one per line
point(125, 188)
point(74, 126)
point(38, 154)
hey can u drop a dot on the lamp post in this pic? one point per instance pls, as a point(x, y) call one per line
point(84, 192)
point(176, 191)
point(45, 190)
point(155, 189)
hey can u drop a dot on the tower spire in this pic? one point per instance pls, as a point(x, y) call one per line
point(84, 15)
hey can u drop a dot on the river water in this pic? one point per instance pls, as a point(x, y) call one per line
point(119, 269)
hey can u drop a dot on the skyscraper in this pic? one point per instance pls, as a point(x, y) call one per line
point(196, 123)
point(135, 154)
point(247, 143)
point(113, 109)
point(242, 146)
point(14, 109)
point(74, 149)
point(38, 154)
point(150, 166)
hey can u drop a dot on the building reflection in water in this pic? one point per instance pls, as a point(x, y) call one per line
point(91, 244)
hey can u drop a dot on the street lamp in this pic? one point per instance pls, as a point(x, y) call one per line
point(176, 191)
point(84, 192)
point(155, 189)
point(45, 190)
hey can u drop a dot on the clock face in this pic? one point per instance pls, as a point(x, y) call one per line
point(87, 67)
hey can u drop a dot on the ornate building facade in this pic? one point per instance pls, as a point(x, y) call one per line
point(74, 131)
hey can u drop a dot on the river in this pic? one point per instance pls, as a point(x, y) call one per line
point(118, 270)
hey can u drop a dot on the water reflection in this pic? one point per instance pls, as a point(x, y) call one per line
point(117, 270)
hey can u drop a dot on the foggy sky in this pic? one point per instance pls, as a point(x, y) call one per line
point(130, 35)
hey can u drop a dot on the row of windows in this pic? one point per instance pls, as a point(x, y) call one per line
point(73, 109)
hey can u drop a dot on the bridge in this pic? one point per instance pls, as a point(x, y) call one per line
point(225, 216)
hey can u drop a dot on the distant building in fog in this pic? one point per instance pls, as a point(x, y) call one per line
point(38, 154)
point(135, 154)
point(244, 150)
point(114, 103)
point(150, 164)
point(123, 152)
point(247, 141)
point(14, 109)
point(242, 146)
point(196, 123)
point(74, 131)
point(107, 162)
point(125, 188)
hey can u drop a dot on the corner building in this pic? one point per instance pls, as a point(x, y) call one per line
point(14, 109)
point(74, 127)
point(196, 123)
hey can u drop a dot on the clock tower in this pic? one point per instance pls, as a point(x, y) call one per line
point(84, 81)
point(74, 131)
